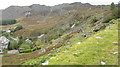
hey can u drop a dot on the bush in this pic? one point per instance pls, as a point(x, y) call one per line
point(26, 45)
point(18, 28)
point(12, 45)
point(114, 15)
point(108, 18)
point(35, 48)
point(38, 48)
point(94, 20)
point(5, 34)
point(26, 51)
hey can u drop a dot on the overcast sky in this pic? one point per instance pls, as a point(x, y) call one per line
point(6, 3)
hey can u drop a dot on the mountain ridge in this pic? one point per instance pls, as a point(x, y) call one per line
point(14, 12)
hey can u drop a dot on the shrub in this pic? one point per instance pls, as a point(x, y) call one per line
point(26, 45)
point(38, 48)
point(94, 20)
point(35, 48)
point(114, 15)
point(18, 28)
point(12, 45)
point(5, 34)
point(107, 18)
point(26, 51)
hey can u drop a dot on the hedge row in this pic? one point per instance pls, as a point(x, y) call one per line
point(30, 50)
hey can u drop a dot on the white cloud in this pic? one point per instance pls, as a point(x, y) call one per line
point(7, 3)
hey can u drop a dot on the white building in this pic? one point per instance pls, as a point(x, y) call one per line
point(4, 40)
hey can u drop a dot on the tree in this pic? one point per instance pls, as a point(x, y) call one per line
point(112, 6)
point(12, 45)
point(18, 28)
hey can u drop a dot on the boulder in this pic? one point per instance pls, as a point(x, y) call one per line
point(73, 26)
point(41, 36)
point(28, 41)
point(115, 43)
point(102, 63)
point(42, 51)
point(45, 63)
point(68, 46)
point(107, 28)
point(84, 35)
point(79, 43)
point(95, 30)
point(98, 37)
point(58, 51)
point(115, 53)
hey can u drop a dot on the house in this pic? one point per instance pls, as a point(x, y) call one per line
point(13, 51)
point(4, 40)
point(2, 47)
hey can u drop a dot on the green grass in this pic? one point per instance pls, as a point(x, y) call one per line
point(91, 51)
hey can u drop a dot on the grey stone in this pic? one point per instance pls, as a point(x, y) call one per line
point(107, 28)
point(115, 53)
point(42, 51)
point(115, 42)
point(95, 30)
point(98, 37)
point(58, 50)
point(68, 46)
point(102, 63)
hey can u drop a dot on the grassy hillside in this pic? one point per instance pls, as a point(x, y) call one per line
point(91, 51)
point(84, 35)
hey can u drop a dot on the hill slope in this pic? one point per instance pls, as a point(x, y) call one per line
point(101, 47)
point(92, 51)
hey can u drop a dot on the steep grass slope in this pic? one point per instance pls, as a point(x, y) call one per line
point(92, 51)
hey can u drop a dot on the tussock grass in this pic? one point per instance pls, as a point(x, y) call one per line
point(92, 51)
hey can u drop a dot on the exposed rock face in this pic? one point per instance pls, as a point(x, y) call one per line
point(14, 12)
